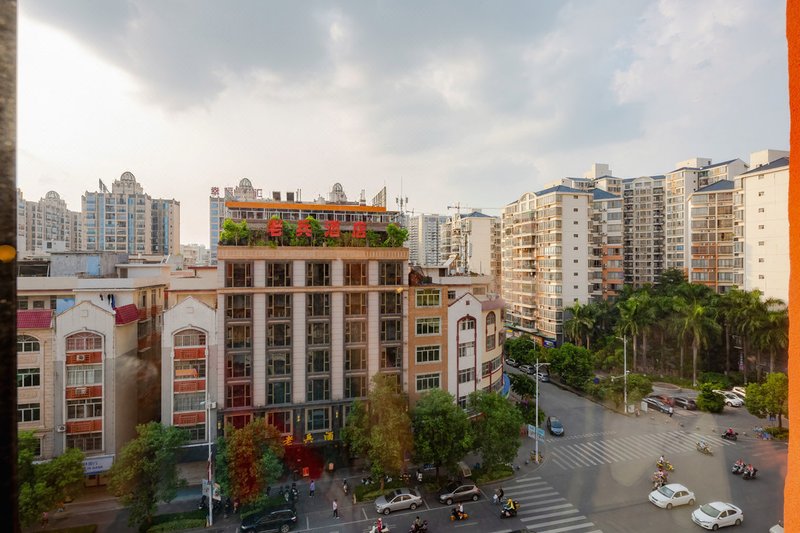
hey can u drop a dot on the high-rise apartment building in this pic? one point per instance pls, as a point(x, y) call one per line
point(473, 240)
point(119, 220)
point(47, 225)
point(243, 192)
point(643, 225)
point(166, 227)
point(762, 226)
point(711, 236)
point(424, 242)
point(606, 268)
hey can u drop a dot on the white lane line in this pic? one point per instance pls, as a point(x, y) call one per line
point(558, 463)
point(554, 500)
point(566, 450)
point(561, 521)
point(530, 484)
point(554, 507)
point(568, 528)
point(549, 515)
point(524, 480)
point(530, 500)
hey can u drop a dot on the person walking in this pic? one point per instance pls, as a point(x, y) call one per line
point(311, 488)
point(45, 519)
point(335, 508)
point(671, 410)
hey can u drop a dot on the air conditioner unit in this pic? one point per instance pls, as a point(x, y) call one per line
point(81, 390)
point(61, 428)
point(81, 357)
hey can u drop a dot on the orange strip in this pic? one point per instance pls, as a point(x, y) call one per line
point(308, 207)
point(791, 494)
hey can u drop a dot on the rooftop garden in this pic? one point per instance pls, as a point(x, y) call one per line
point(310, 232)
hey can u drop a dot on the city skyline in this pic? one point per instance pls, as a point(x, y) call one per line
point(449, 101)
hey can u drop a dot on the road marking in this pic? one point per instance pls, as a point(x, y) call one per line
point(568, 528)
point(561, 521)
point(550, 515)
point(467, 524)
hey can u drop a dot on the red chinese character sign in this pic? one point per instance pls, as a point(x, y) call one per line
point(275, 227)
point(359, 230)
point(332, 228)
point(303, 228)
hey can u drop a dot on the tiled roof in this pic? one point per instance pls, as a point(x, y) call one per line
point(560, 188)
point(126, 314)
point(34, 318)
point(721, 185)
point(600, 194)
point(475, 214)
point(778, 163)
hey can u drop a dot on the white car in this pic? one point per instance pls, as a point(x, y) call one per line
point(715, 515)
point(672, 495)
point(730, 398)
point(741, 392)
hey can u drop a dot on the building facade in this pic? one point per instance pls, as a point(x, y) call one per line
point(166, 227)
point(711, 223)
point(424, 240)
point(606, 269)
point(473, 240)
point(643, 227)
point(48, 226)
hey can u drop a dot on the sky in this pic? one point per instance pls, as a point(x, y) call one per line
point(444, 102)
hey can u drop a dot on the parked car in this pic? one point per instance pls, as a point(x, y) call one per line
point(511, 362)
point(777, 528)
point(397, 500)
point(279, 519)
point(555, 427)
point(458, 492)
point(731, 399)
point(715, 515)
point(672, 495)
point(686, 403)
point(665, 398)
point(528, 369)
point(741, 392)
point(543, 376)
point(657, 404)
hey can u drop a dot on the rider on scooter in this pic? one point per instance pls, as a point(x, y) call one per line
point(730, 433)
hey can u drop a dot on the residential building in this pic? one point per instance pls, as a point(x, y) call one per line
point(643, 226)
point(711, 238)
point(119, 220)
point(36, 378)
point(518, 275)
point(762, 226)
point(424, 241)
point(166, 227)
point(473, 240)
point(195, 255)
point(243, 192)
point(49, 225)
point(606, 269)
point(22, 225)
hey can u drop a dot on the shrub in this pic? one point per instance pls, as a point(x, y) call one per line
point(708, 400)
point(721, 381)
point(498, 472)
point(778, 433)
point(178, 525)
point(365, 493)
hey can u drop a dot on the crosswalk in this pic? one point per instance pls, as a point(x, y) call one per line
point(542, 509)
point(606, 451)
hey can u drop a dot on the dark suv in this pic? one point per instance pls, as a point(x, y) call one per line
point(269, 521)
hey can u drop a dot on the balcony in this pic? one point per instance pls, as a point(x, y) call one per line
point(87, 391)
point(85, 426)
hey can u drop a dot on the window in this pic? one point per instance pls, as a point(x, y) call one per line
point(26, 343)
point(238, 365)
point(318, 274)
point(318, 361)
point(28, 377)
point(86, 442)
point(761, 276)
point(279, 334)
point(318, 390)
point(466, 349)
point(281, 420)
point(279, 364)
point(391, 357)
point(84, 342)
point(355, 331)
point(491, 342)
point(197, 432)
point(278, 274)
point(355, 359)
point(355, 303)
point(238, 395)
point(761, 226)
point(238, 306)
point(451, 295)
point(391, 329)
point(355, 273)
point(467, 324)
point(190, 368)
point(238, 336)
point(355, 386)
point(428, 326)
point(79, 375)
point(761, 243)
point(88, 408)
point(760, 209)
point(761, 193)
point(466, 375)
point(428, 354)
point(22, 303)
point(28, 412)
point(318, 419)
point(318, 333)
point(279, 392)
point(238, 274)
point(390, 273)
point(189, 337)
point(427, 382)
point(428, 297)
point(279, 306)
point(318, 305)
point(189, 402)
point(760, 259)
point(491, 329)
point(391, 303)
point(38, 304)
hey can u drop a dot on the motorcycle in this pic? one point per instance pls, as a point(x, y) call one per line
point(704, 449)
point(345, 487)
point(509, 512)
point(294, 494)
point(730, 436)
point(748, 475)
point(737, 469)
point(419, 529)
point(666, 465)
point(658, 481)
point(217, 507)
point(384, 529)
point(455, 515)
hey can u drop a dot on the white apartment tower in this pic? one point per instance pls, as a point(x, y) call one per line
point(643, 222)
point(49, 225)
point(119, 220)
point(606, 272)
point(166, 227)
point(473, 240)
point(424, 239)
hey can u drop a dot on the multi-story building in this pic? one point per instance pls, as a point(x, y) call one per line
point(243, 192)
point(711, 238)
point(119, 220)
point(49, 225)
point(195, 255)
point(606, 270)
point(424, 243)
point(36, 378)
point(22, 225)
point(762, 227)
point(643, 223)
point(473, 240)
point(166, 227)
point(689, 176)
point(456, 334)
point(518, 276)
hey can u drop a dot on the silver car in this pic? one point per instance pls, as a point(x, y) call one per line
point(459, 492)
point(397, 500)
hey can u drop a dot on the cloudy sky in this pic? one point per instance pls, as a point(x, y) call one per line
point(473, 102)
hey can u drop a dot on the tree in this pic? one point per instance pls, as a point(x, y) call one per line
point(580, 323)
point(442, 432)
point(522, 385)
point(520, 349)
point(382, 431)
point(770, 397)
point(41, 486)
point(773, 336)
point(146, 472)
point(573, 364)
point(708, 400)
point(234, 233)
point(631, 322)
point(248, 460)
point(639, 386)
point(496, 428)
point(698, 324)
point(395, 235)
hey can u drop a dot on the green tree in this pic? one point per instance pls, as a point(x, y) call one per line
point(770, 397)
point(520, 349)
point(708, 400)
point(573, 364)
point(234, 233)
point(631, 322)
point(146, 472)
point(496, 428)
point(42, 485)
point(522, 385)
point(773, 336)
point(442, 432)
point(395, 235)
point(248, 460)
point(613, 388)
point(580, 324)
point(699, 325)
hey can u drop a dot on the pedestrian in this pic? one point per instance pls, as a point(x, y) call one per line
point(495, 498)
point(311, 488)
point(419, 475)
point(671, 410)
point(335, 509)
point(500, 493)
point(45, 519)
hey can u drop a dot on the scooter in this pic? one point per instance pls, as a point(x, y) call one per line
point(455, 515)
point(737, 469)
point(748, 475)
point(384, 529)
point(704, 449)
point(730, 436)
point(666, 465)
point(509, 512)
point(421, 529)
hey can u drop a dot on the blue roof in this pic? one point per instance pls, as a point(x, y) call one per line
point(778, 163)
point(720, 164)
point(600, 194)
point(475, 214)
point(721, 185)
point(560, 188)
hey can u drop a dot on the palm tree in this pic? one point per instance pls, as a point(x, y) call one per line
point(699, 324)
point(728, 305)
point(774, 333)
point(580, 324)
point(749, 317)
point(631, 321)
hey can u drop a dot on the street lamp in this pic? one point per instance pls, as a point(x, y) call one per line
point(536, 376)
point(624, 371)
